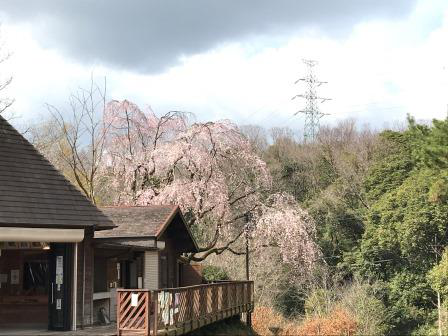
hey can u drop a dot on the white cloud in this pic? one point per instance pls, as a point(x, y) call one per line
point(382, 71)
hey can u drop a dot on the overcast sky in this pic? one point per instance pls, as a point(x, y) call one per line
point(232, 59)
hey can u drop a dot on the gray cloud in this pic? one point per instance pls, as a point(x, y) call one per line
point(149, 36)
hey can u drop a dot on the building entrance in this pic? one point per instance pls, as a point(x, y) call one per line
point(24, 284)
point(35, 285)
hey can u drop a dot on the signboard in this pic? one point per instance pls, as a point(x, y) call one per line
point(134, 300)
point(59, 271)
point(58, 304)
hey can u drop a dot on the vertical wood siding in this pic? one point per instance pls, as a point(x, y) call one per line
point(151, 270)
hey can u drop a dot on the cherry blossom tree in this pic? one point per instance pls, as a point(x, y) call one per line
point(286, 231)
point(283, 252)
point(209, 169)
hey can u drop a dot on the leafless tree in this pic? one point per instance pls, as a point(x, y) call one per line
point(5, 80)
point(257, 137)
point(81, 136)
point(348, 150)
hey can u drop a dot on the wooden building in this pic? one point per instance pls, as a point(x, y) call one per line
point(62, 258)
point(46, 241)
point(143, 251)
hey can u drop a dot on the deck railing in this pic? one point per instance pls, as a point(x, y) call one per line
point(181, 309)
point(133, 312)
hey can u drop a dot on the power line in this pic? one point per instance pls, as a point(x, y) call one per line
point(312, 112)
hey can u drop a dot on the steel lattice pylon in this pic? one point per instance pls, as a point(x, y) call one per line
point(312, 112)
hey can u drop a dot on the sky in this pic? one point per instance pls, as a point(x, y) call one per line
point(231, 59)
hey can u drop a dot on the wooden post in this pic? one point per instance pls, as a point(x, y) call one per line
point(215, 300)
point(249, 304)
point(247, 251)
point(147, 312)
point(118, 312)
point(155, 300)
point(173, 307)
point(190, 305)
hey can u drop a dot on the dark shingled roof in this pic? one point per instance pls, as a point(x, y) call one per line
point(134, 221)
point(148, 222)
point(34, 194)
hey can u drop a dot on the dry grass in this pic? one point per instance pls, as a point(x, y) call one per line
point(264, 318)
point(338, 322)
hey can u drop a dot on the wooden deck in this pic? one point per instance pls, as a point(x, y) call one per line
point(176, 311)
point(39, 330)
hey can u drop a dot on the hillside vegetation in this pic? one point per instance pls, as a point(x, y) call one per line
point(379, 201)
point(347, 234)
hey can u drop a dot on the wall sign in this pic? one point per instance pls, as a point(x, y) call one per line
point(134, 300)
point(59, 271)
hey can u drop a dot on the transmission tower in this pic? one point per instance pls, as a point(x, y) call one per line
point(312, 112)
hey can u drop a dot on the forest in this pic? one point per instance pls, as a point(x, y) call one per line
point(347, 233)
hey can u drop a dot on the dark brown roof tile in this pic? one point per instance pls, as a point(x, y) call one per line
point(138, 220)
point(33, 193)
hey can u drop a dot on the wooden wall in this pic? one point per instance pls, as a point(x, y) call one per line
point(191, 275)
point(151, 270)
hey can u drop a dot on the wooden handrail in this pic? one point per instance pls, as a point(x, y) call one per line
point(216, 283)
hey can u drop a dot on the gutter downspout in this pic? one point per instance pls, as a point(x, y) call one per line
point(75, 286)
point(83, 282)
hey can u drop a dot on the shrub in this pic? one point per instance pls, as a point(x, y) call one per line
point(289, 301)
point(338, 322)
point(358, 300)
point(264, 319)
point(214, 273)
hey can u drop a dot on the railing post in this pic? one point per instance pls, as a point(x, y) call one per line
point(249, 301)
point(118, 312)
point(229, 297)
point(147, 312)
point(248, 294)
point(225, 290)
point(189, 305)
point(203, 302)
point(155, 300)
point(235, 295)
point(209, 290)
point(174, 305)
point(215, 299)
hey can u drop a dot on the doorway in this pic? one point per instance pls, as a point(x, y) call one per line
point(35, 285)
point(24, 278)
